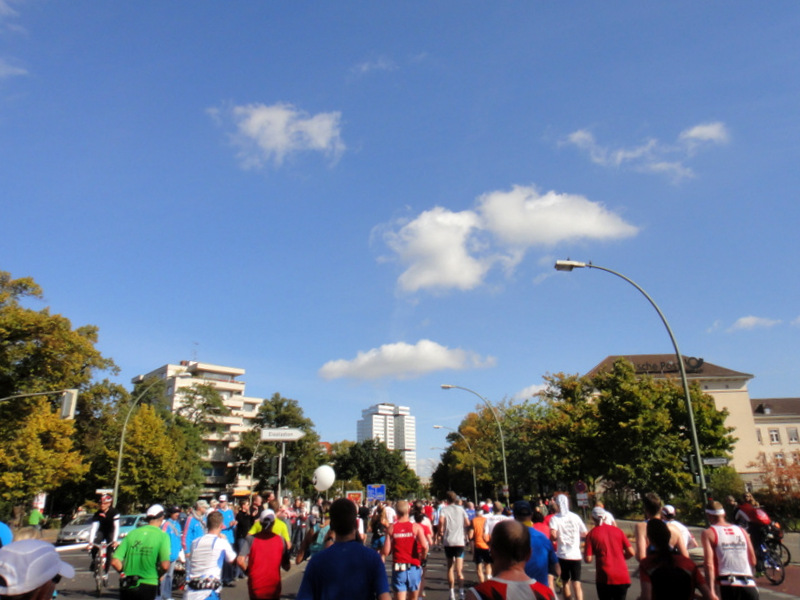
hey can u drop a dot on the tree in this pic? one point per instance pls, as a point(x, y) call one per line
point(302, 456)
point(631, 431)
point(620, 432)
point(372, 462)
point(39, 351)
point(201, 405)
point(152, 469)
point(40, 457)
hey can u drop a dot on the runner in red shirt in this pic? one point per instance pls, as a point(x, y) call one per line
point(612, 548)
point(262, 557)
point(408, 546)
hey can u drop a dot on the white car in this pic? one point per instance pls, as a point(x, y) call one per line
point(76, 532)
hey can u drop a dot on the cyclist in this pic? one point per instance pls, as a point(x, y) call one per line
point(754, 520)
point(105, 528)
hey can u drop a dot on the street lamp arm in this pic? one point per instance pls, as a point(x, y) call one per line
point(499, 428)
point(134, 403)
point(568, 265)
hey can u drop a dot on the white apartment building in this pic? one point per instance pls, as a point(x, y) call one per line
point(219, 444)
point(394, 426)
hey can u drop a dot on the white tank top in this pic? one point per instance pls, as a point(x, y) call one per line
point(730, 551)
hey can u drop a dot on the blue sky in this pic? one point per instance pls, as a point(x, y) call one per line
point(357, 202)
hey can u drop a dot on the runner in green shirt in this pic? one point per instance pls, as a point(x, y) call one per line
point(35, 518)
point(143, 554)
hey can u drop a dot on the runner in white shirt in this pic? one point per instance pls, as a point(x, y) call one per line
point(567, 529)
point(204, 570)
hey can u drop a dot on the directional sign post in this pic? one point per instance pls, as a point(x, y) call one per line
point(284, 434)
point(376, 491)
point(715, 462)
point(281, 434)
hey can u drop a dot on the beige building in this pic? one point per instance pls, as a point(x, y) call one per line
point(777, 422)
point(243, 409)
point(728, 388)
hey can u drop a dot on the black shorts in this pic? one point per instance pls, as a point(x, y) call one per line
point(141, 592)
point(482, 555)
point(454, 551)
point(570, 570)
point(607, 591)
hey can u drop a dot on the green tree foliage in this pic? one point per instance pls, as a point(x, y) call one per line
point(40, 456)
point(371, 462)
point(302, 456)
point(625, 432)
point(201, 405)
point(40, 351)
point(153, 459)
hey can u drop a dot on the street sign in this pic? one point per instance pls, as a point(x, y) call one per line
point(715, 462)
point(376, 491)
point(583, 499)
point(284, 434)
point(356, 496)
point(580, 487)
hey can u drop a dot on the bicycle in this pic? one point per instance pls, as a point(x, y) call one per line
point(772, 564)
point(99, 571)
point(773, 534)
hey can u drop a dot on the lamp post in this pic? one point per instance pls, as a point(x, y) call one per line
point(471, 453)
point(69, 398)
point(499, 428)
point(568, 265)
point(125, 427)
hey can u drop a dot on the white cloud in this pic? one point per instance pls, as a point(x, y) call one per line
point(522, 217)
point(653, 156)
point(404, 361)
point(382, 63)
point(796, 322)
point(752, 322)
point(435, 248)
point(532, 391)
point(441, 249)
point(7, 70)
point(706, 132)
point(267, 134)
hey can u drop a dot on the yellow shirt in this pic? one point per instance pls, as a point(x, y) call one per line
point(278, 528)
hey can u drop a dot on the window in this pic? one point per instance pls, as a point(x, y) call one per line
point(780, 460)
point(774, 436)
point(791, 433)
point(758, 435)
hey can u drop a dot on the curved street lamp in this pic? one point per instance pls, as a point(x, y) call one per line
point(134, 404)
point(499, 428)
point(568, 265)
point(471, 453)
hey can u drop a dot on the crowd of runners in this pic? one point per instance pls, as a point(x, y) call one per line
point(522, 551)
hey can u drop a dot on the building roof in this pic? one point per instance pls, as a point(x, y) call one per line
point(666, 365)
point(775, 407)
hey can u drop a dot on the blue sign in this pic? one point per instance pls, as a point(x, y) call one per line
point(376, 491)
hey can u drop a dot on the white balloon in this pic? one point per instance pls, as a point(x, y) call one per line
point(324, 477)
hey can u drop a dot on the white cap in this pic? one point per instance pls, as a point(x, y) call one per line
point(155, 511)
point(598, 512)
point(29, 564)
point(267, 518)
point(223, 497)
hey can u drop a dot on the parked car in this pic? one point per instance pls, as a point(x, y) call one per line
point(128, 523)
point(76, 531)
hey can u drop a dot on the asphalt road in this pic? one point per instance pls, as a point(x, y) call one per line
point(82, 586)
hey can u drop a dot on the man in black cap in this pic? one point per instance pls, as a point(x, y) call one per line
point(30, 570)
point(543, 561)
